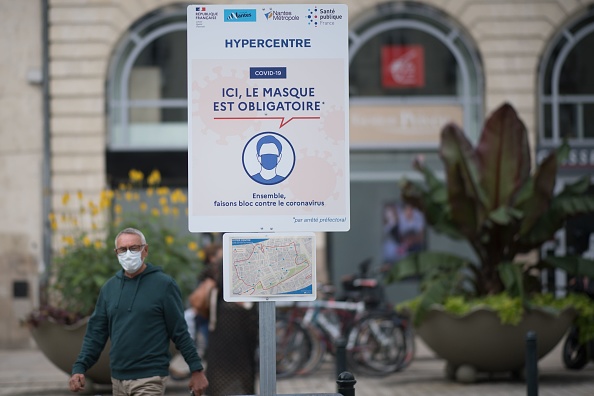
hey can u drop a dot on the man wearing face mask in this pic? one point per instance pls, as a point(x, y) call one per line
point(269, 152)
point(140, 310)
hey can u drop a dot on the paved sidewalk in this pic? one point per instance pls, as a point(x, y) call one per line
point(28, 372)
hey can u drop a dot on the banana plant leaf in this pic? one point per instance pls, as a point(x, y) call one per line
point(465, 195)
point(513, 279)
point(573, 200)
point(503, 157)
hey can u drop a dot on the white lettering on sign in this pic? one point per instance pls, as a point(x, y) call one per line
point(401, 124)
point(577, 157)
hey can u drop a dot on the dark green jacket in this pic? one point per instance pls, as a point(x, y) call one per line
point(140, 316)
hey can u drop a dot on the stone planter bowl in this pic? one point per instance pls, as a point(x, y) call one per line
point(480, 343)
point(61, 344)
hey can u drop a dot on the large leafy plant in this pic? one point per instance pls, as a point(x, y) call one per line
point(493, 199)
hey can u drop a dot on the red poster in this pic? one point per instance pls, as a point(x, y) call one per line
point(403, 66)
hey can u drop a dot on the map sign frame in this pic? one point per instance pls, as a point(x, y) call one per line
point(268, 118)
point(255, 267)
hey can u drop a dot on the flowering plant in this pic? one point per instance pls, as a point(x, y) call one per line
point(84, 231)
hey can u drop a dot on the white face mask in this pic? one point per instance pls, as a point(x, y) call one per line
point(130, 261)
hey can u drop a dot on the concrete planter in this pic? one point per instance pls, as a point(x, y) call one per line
point(478, 342)
point(61, 345)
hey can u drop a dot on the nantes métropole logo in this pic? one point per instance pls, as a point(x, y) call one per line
point(275, 15)
point(248, 15)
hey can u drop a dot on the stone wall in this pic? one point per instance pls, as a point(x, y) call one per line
point(21, 154)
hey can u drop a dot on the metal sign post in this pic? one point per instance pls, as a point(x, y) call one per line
point(267, 348)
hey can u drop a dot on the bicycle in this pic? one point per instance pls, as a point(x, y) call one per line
point(296, 345)
point(379, 340)
point(396, 347)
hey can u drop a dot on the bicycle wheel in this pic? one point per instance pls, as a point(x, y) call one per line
point(290, 350)
point(315, 350)
point(575, 355)
point(376, 345)
point(409, 344)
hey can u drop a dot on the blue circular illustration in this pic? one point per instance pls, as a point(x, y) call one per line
point(268, 158)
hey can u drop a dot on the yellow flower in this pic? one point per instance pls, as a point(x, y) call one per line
point(65, 199)
point(105, 199)
point(94, 209)
point(163, 201)
point(68, 240)
point(118, 209)
point(154, 178)
point(201, 255)
point(122, 186)
point(143, 206)
point(79, 194)
point(87, 241)
point(165, 210)
point(192, 246)
point(175, 211)
point(128, 195)
point(169, 240)
point(155, 212)
point(94, 226)
point(178, 196)
point(150, 191)
point(162, 191)
point(98, 244)
point(53, 221)
point(136, 196)
point(135, 176)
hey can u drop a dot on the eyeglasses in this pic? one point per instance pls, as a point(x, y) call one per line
point(133, 249)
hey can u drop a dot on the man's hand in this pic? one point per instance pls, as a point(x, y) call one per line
point(198, 383)
point(77, 382)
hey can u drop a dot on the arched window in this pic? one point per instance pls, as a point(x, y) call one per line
point(147, 98)
point(566, 91)
point(413, 60)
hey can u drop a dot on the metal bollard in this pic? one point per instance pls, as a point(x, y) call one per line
point(531, 365)
point(346, 384)
point(340, 356)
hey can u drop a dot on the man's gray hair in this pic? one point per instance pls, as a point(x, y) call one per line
point(130, 230)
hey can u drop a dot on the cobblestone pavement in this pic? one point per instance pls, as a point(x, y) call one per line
point(28, 372)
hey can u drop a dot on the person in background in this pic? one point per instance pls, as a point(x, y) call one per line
point(140, 310)
point(213, 259)
point(411, 229)
point(391, 236)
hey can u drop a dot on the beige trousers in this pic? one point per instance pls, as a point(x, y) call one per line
point(151, 386)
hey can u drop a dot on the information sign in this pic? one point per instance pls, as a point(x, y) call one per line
point(268, 138)
point(269, 267)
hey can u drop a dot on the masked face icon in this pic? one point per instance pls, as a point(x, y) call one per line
point(265, 158)
point(269, 161)
point(269, 156)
